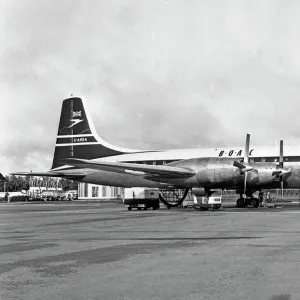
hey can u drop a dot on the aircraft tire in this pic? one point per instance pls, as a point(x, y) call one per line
point(240, 203)
point(254, 202)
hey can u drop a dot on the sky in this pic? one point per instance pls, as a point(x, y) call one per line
point(157, 74)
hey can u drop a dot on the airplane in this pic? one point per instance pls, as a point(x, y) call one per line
point(82, 155)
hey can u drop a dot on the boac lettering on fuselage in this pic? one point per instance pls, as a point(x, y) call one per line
point(231, 152)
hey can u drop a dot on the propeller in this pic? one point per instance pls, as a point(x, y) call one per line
point(243, 166)
point(281, 166)
point(246, 161)
point(281, 171)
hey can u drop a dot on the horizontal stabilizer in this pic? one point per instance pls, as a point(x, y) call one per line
point(133, 169)
point(2, 178)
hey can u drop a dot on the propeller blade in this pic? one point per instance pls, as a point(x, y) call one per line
point(238, 165)
point(245, 184)
point(281, 154)
point(242, 167)
point(285, 172)
point(281, 167)
point(247, 147)
point(276, 172)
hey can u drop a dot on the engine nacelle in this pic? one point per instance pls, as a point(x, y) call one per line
point(262, 174)
point(216, 172)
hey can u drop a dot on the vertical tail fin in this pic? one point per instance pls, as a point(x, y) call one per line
point(77, 137)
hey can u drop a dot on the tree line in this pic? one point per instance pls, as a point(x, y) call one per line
point(12, 183)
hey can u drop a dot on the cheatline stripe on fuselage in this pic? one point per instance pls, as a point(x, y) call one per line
point(78, 144)
point(75, 135)
point(289, 159)
point(272, 159)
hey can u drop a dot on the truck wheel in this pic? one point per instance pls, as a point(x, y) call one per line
point(154, 207)
point(145, 208)
point(129, 208)
point(139, 208)
point(255, 202)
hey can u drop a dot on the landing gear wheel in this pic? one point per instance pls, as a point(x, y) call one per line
point(240, 203)
point(254, 202)
point(139, 208)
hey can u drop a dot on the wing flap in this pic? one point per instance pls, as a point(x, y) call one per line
point(133, 169)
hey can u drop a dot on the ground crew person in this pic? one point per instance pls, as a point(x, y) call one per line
point(261, 197)
point(7, 197)
point(268, 196)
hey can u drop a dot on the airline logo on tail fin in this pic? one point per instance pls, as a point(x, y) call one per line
point(75, 122)
point(76, 114)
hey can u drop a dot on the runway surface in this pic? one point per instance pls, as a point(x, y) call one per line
point(100, 251)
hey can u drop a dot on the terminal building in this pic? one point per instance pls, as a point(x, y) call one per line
point(40, 185)
point(100, 192)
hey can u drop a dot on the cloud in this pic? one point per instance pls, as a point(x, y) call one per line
point(157, 74)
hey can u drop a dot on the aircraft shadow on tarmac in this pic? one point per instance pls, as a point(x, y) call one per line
point(172, 239)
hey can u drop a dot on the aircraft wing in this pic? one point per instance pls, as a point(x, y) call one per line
point(133, 169)
point(69, 175)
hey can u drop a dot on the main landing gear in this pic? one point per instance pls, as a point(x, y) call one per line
point(249, 200)
point(173, 198)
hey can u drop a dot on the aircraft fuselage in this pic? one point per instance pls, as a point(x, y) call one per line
point(214, 171)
